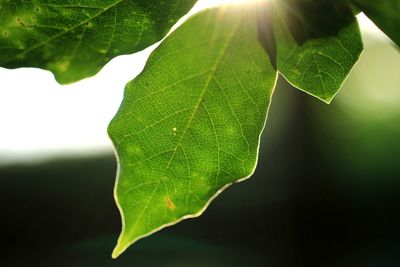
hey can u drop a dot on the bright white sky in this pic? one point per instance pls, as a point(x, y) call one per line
point(40, 118)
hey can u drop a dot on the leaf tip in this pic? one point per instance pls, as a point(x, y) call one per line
point(119, 248)
point(115, 254)
point(327, 100)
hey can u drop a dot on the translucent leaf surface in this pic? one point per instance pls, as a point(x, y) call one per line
point(74, 39)
point(190, 124)
point(317, 44)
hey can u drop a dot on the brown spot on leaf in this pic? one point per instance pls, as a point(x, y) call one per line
point(169, 203)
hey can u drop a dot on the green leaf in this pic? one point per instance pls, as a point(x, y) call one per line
point(385, 14)
point(190, 124)
point(74, 39)
point(317, 44)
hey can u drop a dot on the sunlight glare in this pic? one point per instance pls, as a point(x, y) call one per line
point(212, 3)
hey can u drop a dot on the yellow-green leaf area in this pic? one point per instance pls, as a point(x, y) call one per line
point(190, 124)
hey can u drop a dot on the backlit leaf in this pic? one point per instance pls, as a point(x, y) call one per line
point(190, 124)
point(74, 39)
point(317, 44)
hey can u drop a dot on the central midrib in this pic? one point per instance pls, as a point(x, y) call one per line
point(206, 87)
point(197, 107)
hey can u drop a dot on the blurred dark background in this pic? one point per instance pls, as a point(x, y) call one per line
point(326, 192)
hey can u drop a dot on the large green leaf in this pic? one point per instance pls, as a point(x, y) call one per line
point(190, 124)
point(317, 44)
point(74, 39)
point(385, 14)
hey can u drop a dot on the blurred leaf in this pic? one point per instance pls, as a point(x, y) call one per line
point(75, 39)
point(317, 44)
point(190, 124)
point(385, 14)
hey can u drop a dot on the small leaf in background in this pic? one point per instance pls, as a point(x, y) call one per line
point(317, 44)
point(385, 14)
point(74, 39)
point(190, 124)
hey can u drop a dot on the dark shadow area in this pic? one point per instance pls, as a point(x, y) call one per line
point(310, 19)
point(304, 20)
point(266, 34)
point(308, 204)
